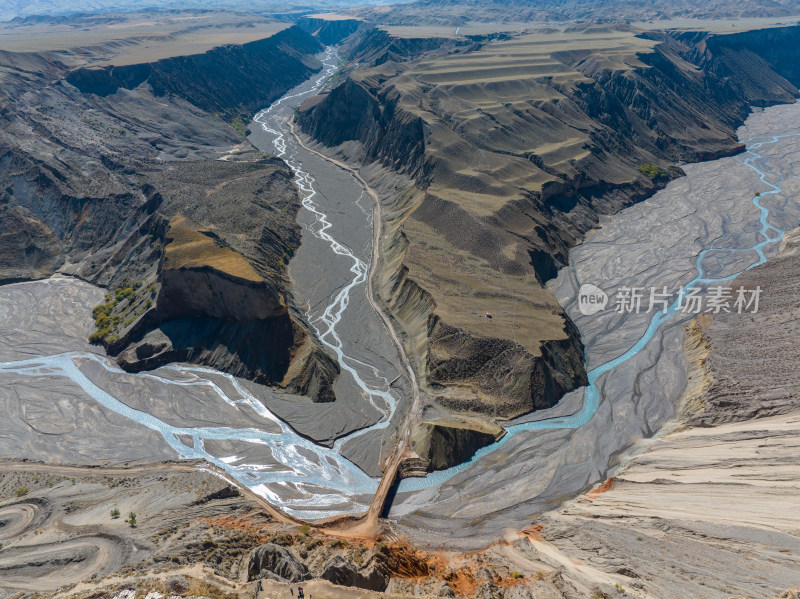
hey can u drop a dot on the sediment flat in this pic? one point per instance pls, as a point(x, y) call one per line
point(654, 243)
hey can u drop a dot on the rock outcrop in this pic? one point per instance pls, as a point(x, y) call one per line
point(28, 248)
point(489, 590)
point(274, 562)
point(374, 46)
point(508, 166)
point(353, 111)
point(506, 378)
point(344, 573)
point(211, 307)
point(444, 444)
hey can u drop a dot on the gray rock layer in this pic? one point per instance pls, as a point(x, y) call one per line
point(344, 573)
point(275, 563)
point(273, 65)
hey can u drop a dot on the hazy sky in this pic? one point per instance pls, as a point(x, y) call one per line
point(21, 8)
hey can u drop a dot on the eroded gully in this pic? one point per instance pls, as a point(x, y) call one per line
point(312, 480)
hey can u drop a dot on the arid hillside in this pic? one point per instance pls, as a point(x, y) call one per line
point(120, 141)
point(512, 149)
point(147, 231)
point(718, 483)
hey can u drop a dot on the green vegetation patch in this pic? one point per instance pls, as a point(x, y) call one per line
point(239, 124)
point(651, 170)
point(121, 306)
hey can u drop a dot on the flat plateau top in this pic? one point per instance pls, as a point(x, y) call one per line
point(719, 25)
point(332, 16)
point(479, 28)
point(136, 38)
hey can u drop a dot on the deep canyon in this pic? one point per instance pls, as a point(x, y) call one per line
point(295, 254)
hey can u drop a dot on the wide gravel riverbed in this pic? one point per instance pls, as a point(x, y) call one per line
point(64, 401)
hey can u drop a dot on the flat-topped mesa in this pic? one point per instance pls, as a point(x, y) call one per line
point(375, 46)
point(201, 277)
point(219, 294)
point(264, 68)
point(210, 306)
point(513, 149)
point(205, 289)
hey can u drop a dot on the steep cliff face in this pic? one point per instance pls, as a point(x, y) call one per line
point(91, 182)
point(503, 378)
point(498, 364)
point(56, 219)
point(234, 79)
point(329, 31)
point(444, 444)
point(28, 248)
point(211, 307)
point(354, 111)
point(774, 46)
point(375, 46)
point(512, 163)
point(680, 101)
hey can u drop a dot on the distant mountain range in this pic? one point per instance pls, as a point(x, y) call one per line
point(460, 12)
point(11, 9)
point(431, 11)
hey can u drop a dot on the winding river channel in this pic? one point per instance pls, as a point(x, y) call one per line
point(316, 460)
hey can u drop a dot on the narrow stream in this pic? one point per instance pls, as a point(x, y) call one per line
point(726, 216)
point(304, 478)
point(313, 479)
point(769, 234)
point(325, 320)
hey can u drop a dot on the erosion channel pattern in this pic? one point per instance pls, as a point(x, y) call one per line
point(324, 459)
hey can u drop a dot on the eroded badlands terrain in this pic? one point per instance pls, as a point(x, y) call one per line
point(352, 261)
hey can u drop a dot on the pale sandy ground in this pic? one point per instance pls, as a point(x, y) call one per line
point(138, 37)
point(704, 512)
point(701, 512)
point(653, 243)
point(56, 526)
point(698, 512)
point(710, 511)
